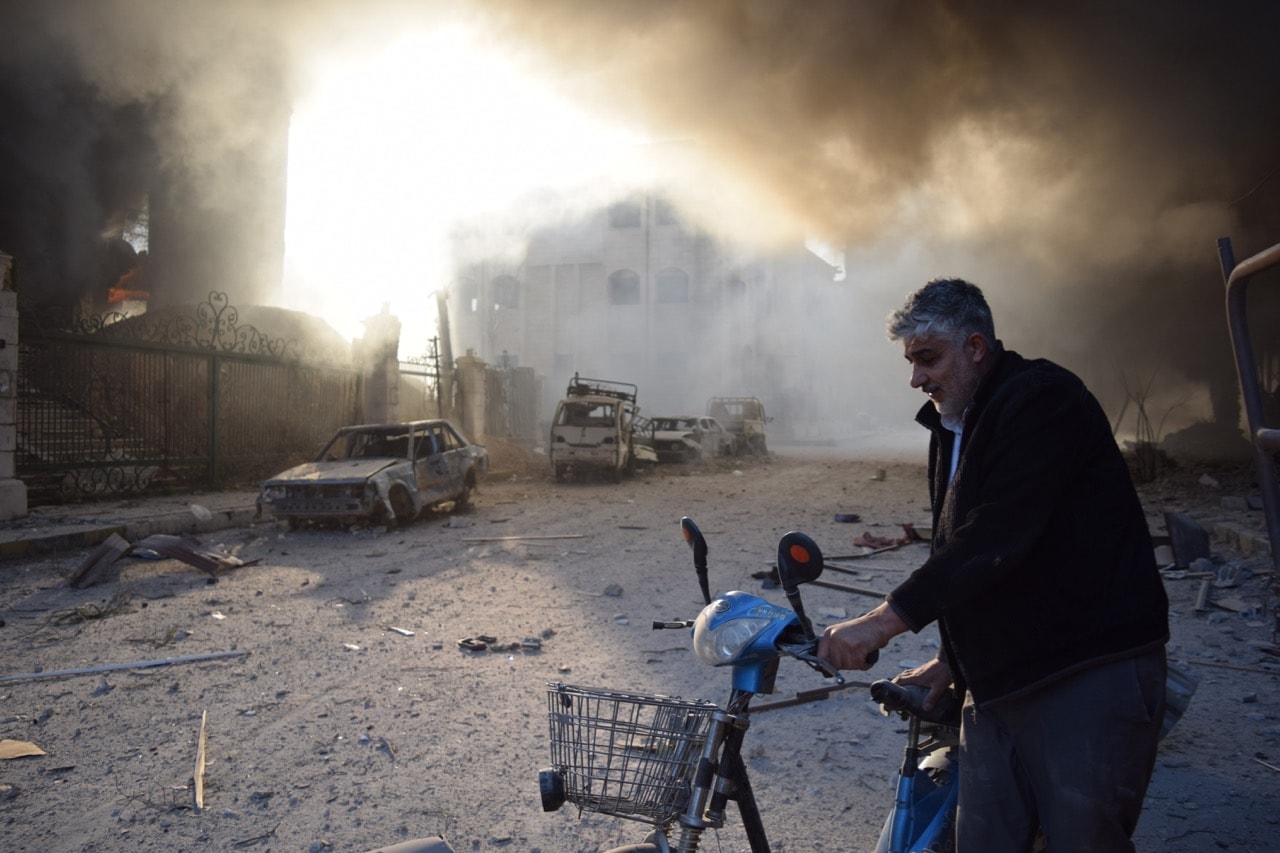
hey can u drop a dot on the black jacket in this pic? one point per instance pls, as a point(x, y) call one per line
point(1041, 561)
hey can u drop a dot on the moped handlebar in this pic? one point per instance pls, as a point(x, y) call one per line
point(909, 699)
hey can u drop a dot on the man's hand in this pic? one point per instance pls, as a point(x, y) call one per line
point(847, 644)
point(936, 675)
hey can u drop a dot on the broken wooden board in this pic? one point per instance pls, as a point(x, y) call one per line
point(100, 566)
point(189, 552)
point(18, 749)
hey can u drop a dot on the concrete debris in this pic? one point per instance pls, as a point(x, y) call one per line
point(1187, 538)
point(484, 643)
point(1228, 577)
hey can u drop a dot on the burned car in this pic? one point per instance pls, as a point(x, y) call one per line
point(687, 438)
point(379, 473)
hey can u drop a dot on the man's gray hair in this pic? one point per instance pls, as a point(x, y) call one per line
point(951, 307)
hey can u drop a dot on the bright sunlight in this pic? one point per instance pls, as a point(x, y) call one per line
point(385, 154)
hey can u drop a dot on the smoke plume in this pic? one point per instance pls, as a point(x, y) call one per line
point(1076, 159)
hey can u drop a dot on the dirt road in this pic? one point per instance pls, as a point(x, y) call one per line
point(353, 718)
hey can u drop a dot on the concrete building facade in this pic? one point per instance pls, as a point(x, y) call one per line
point(631, 293)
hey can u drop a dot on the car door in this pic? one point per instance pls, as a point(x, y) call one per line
point(451, 465)
point(712, 436)
point(427, 463)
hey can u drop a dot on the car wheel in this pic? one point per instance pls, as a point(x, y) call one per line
point(759, 447)
point(402, 506)
point(562, 471)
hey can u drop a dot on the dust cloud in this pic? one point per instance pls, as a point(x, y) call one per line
point(1077, 160)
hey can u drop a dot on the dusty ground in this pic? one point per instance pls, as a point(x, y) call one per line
point(334, 731)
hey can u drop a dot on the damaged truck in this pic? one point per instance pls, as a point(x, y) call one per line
point(745, 418)
point(595, 431)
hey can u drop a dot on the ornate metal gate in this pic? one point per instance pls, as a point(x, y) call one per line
point(167, 402)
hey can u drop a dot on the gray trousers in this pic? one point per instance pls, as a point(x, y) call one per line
point(1073, 757)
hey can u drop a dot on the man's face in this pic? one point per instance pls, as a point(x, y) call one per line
point(945, 370)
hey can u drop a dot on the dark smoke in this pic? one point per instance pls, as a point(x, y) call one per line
point(1077, 159)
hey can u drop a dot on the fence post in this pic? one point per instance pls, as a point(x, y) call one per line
point(471, 383)
point(380, 364)
point(13, 492)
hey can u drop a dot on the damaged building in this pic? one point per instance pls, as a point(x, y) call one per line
point(633, 292)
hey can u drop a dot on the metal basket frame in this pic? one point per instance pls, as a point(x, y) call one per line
point(631, 755)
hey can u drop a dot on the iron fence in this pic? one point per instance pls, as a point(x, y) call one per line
point(169, 402)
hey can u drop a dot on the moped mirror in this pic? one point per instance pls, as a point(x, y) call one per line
point(694, 537)
point(698, 543)
point(799, 560)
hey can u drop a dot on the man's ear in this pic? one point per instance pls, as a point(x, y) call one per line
point(976, 346)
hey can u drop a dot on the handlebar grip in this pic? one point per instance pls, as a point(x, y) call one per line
point(898, 697)
point(909, 698)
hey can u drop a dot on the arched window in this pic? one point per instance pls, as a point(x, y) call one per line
point(506, 292)
point(624, 288)
point(672, 285)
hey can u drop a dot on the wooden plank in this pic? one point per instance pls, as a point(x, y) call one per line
point(197, 784)
point(100, 565)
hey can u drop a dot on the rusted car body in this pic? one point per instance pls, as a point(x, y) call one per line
point(745, 418)
point(388, 473)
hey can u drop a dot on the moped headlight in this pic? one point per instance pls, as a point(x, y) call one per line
point(723, 643)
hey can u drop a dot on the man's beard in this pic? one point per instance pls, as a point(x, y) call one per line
point(959, 395)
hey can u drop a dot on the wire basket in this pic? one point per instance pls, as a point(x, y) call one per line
point(626, 754)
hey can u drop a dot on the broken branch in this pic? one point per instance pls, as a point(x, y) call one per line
point(198, 777)
point(509, 538)
point(32, 676)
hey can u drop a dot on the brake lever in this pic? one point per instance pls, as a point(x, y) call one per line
point(806, 652)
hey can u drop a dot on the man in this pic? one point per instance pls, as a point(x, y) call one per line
point(1042, 579)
